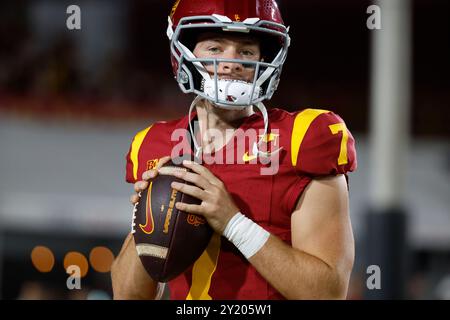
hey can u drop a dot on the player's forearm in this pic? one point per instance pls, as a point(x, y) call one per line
point(298, 275)
point(130, 281)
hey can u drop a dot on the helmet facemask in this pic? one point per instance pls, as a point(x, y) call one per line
point(193, 77)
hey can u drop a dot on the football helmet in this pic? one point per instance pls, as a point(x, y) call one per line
point(258, 18)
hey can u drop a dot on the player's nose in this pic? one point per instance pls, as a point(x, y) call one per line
point(230, 67)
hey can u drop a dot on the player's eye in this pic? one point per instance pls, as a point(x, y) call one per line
point(248, 53)
point(213, 50)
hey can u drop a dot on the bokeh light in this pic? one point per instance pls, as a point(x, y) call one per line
point(42, 258)
point(101, 259)
point(78, 259)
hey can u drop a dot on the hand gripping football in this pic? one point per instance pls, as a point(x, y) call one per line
point(168, 241)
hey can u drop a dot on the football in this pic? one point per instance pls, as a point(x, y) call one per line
point(168, 241)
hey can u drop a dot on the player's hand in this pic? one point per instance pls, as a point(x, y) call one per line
point(217, 204)
point(146, 177)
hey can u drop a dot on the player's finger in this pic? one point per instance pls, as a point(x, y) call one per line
point(201, 170)
point(162, 162)
point(140, 186)
point(190, 190)
point(152, 173)
point(149, 174)
point(189, 208)
point(195, 178)
point(169, 170)
point(134, 198)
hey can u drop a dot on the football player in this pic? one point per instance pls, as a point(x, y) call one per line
point(285, 234)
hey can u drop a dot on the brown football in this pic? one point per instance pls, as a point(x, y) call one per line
point(168, 241)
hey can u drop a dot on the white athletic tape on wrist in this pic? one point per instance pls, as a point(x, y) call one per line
point(245, 234)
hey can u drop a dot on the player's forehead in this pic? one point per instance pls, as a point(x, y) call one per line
point(236, 38)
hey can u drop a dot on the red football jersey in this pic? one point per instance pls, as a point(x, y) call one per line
point(310, 143)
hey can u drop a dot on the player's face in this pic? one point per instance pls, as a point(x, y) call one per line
point(212, 45)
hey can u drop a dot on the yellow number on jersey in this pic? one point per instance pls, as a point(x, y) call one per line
point(335, 129)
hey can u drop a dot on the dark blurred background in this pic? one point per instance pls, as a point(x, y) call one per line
point(71, 101)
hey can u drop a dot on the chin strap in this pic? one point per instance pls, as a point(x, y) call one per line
point(255, 149)
point(198, 149)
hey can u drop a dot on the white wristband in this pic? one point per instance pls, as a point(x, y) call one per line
point(245, 234)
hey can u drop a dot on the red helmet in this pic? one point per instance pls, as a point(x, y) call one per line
point(260, 18)
point(235, 10)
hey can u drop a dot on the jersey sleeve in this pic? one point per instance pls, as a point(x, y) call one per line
point(321, 144)
point(132, 157)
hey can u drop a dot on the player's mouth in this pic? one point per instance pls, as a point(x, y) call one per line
point(229, 77)
point(237, 78)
